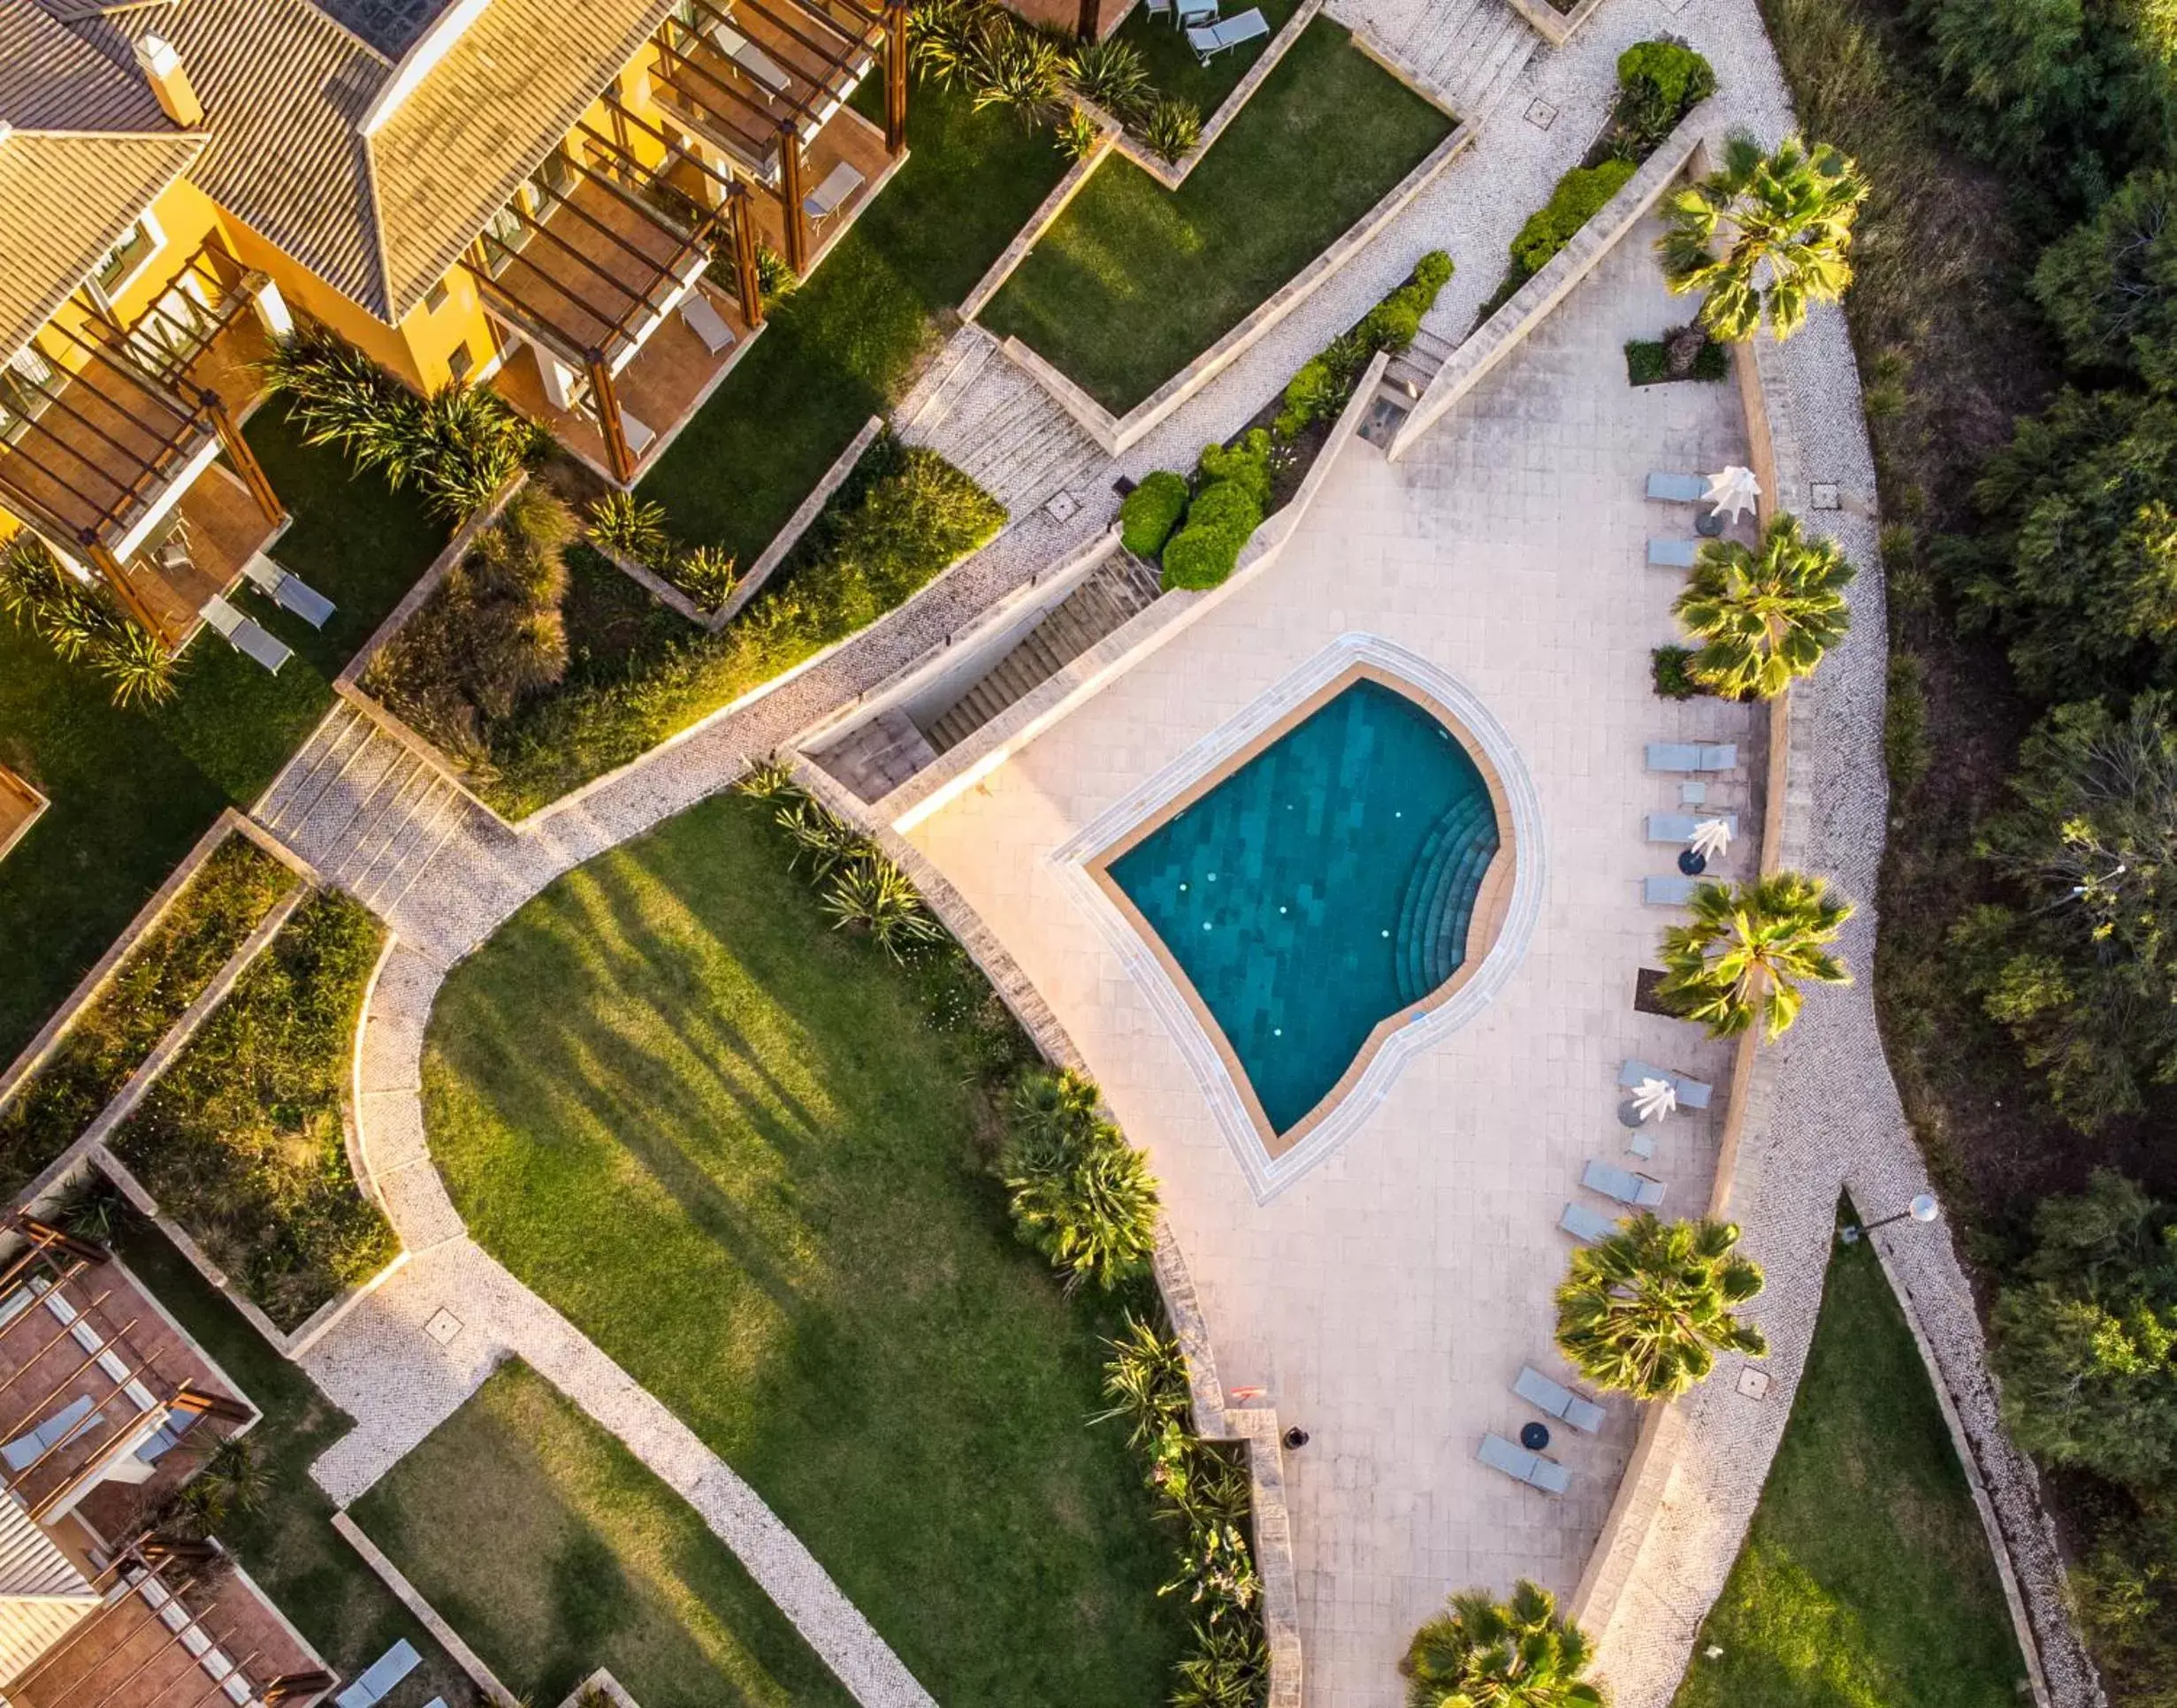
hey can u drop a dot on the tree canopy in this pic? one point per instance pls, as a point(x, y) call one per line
point(1644, 1310)
point(1506, 1654)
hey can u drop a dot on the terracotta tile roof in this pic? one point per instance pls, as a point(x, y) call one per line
point(85, 151)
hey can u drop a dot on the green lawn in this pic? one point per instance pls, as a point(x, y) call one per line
point(730, 1144)
point(1135, 280)
point(1172, 67)
point(288, 1544)
point(1865, 1580)
point(840, 348)
point(132, 790)
point(553, 1550)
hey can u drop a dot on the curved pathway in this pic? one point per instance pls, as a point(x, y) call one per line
point(1830, 1117)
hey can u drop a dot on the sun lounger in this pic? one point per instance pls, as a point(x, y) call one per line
point(1693, 1094)
point(826, 198)
point(1679, 826)
point(1677, 489)
point(1247, 27)
point(1672, 553)
point(383, 1674)
point(1558, 1401)
point(1524, 1466)
point(1692, 756)
point(706, 322)
point(1667, 889)
point(1611, 1181)
point(1585, 1224)
point(289, 592)
point(246, 635)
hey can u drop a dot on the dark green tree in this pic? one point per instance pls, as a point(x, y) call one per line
point(2110, 287)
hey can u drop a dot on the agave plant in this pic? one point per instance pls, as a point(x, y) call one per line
point(622, 523)
point(1112, 74)
point(1172, 128)
point(708, 574)
point(1145, 1379)
point(876, 896)
point(769, 780)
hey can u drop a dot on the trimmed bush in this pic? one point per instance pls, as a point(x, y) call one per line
point(1673, 670)
point(1320, 389)
point(1310, 395)
point(1579, 197)
point(1247, 463)
point(1200, 558)
point(1659, 83)
point(1151, 511)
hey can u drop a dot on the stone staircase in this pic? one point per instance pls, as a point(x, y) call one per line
point(1112, 594)
point(996, 426)
point(1467, 52)
point(1438, 904)
point(364, 808)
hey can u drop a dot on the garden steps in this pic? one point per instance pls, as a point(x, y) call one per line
point(1001, 429)
point(1468, 53)
point(880, 756)
point(1111, 595)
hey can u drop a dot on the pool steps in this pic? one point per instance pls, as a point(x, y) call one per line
point(1438, 906)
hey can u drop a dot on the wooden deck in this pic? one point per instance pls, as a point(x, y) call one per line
point(20, 807)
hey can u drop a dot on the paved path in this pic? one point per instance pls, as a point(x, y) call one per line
point(1834, 1120)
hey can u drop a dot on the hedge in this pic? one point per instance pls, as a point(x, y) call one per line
point(1151, 511)
point(1579, 195)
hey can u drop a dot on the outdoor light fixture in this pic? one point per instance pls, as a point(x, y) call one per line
point(1922, 1208)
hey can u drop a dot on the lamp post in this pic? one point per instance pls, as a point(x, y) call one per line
point(1922, 1208)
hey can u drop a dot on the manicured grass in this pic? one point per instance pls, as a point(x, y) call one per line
point(1865, 1580)
point(132, 789)
point(1135, 280)
point(288, 1544)
point(553, 1550)
point(746, 1153)
point(1176, 72)
point(167, 970)
point(242, 1140)
point(842, 347)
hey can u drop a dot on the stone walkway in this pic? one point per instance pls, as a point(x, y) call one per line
point(1834, 1120)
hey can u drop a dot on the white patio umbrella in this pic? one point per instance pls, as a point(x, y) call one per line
point(1654, 1099)
point(1712, 839)
point(1732, 489)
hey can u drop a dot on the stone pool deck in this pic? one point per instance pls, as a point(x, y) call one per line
point(1388, 1299)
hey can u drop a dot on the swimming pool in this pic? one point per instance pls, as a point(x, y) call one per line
point(1327, 885)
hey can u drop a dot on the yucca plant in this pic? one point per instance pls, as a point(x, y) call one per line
point(1747, 949)
point(238, 1470)
point(1078, 134)
point(1172, 128)
point(1767, 616)
point(708, 574)
point(471, 442)
point(1145, 1379)
point(1227, 1666)
point(1645, 1309)
point(940, 35)
point(873, 894)
point(769, 780)
point(1769, 232)
point(1049, 1108)
point(1515, 1654)
point(622, 523)
point(830, 842)
point(1011, 65)
point(1111, 74)
point(136, 664)
point(775, 275)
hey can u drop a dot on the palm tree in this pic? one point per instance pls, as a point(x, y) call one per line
point(1741, 957)
point(1786, 215)
point(1483, 1653)
point(1645, 1309)
point(1768, 615)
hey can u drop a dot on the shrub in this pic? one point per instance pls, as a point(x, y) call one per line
point(1579, 196)
point(1151, 511)
point(1246, 462)
point(1320, 389)
point(1312, 394)
point(82, 621)
point(1659, 83)
point(459, 447)
point(1197, 559)
point(708, 574)
point(1112, 74)
point(775, 277)
point(1682, 353)
point(1081, 1194)
point(1172, 128)
point(1672, 668)
point(622, 523)
point(1227, 505)
point(1077, 135)
point(1393, 323)
point(1010, 64)
point(1905, 725)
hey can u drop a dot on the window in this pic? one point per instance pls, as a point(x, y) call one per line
point(120, 264)
point(460, 362)
point(434, 299)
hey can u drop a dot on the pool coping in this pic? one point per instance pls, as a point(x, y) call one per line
point(1507, 904)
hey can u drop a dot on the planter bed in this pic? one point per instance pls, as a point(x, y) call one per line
point(637, 672)
point(552, 1551)
point(241, 1140)
point(150, 989)
point(1175, 73)
point(847, 343)
point(1134, 281)
point(748, 1154)
point(285, 1541)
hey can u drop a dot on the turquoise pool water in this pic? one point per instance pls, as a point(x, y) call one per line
point(1325, 884)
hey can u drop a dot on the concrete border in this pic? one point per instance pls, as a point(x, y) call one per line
point(1497, 337)
point(797, 524)
point(1554, 27)
point(1171, 174)
point(409, 1596)
point(1046, 214)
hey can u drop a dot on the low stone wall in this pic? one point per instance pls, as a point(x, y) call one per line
point(797, 524)
point(1172, 174)
point(1554, 27)
point(1497, 337)
point(427, 583)
point(409, 1596)
point(1046, 214)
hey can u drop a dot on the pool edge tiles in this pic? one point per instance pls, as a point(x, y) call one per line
point(1506, 903)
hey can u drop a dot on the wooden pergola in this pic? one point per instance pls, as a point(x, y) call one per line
point(590, 274)
point(150, 1645)
point(97, 440)
point(820, 49)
